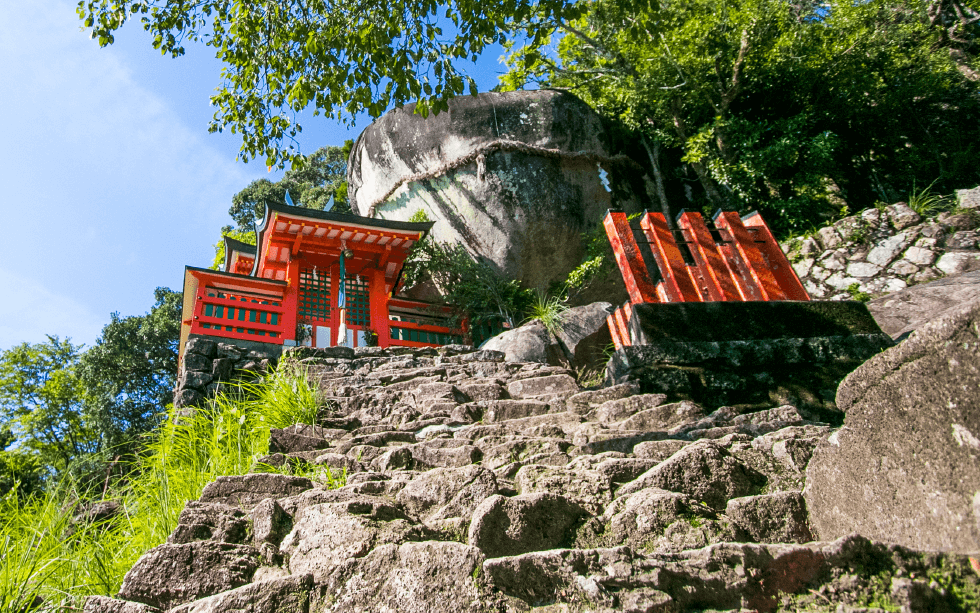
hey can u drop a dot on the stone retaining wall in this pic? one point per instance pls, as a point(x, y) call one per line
point(208, 362)
point(885, 250)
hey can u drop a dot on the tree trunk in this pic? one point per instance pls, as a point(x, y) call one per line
point(714, 195)
point(654, 154)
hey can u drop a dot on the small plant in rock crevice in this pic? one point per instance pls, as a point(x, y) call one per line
point(926, 203)
point(854, 289)
point(548, 310)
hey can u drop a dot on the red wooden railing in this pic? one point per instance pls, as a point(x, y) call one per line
point(233, 306)
point(248, 308)
point(415, 323)
point(732, 259)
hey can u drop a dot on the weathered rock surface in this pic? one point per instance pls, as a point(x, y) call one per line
point(900, 313)
point(171, 575)
point(516, 177)
point(566, 499)
point(445, 493)
point(906, 466)
point(104, 604)
point(249, 490)
point(202, 521)
point(528, 343)
point(773, 518)
point(530, 522)
point(281, 595)
point(584, 334)
point(433, 576)
point(702, 471)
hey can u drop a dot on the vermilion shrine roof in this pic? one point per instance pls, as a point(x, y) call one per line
point(239, 256)
point(318, 236)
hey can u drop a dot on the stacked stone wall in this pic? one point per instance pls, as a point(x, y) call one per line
point(208, 362)
point(885, 250)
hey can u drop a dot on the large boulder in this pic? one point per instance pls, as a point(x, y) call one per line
point(906, 466)
point(516, 177)
point(900, 313)
point(584, 334)
point(528, 343)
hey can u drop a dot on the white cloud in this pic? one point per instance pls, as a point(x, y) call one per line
point(107, 193)
point(32, 311)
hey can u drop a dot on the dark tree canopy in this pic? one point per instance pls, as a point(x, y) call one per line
point(798, 108)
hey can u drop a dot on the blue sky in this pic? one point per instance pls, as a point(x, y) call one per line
point(111, 182)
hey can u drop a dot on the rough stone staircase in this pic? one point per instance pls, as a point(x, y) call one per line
point(475, 484)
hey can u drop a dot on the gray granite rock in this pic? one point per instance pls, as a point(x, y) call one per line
point(530, 522)
point(174, 574)
point(906, 465)
point(900, 313)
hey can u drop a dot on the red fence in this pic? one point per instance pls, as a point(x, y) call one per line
point(729, 259)
point(414, 323)
point(233, 306)
point(248, 308)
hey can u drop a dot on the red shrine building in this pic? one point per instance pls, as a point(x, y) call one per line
point(314, 278)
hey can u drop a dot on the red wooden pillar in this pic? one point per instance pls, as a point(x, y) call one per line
point(290, 300)
point(629, 258)
point(334, 311)
point(708, 257)
point(746, 250)
point(614, 331)
point(678, 282)
point(378, 299)
point(774, 256)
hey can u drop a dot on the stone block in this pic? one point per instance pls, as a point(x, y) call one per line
point(194, 379)
point(278, 595)
point(549, 387)
point(901, 216)
point(968, 198)
point(197, 362)
point(772, 518)
point(249, 490)
point(105, 604)
point(497, 411)
point(906, 467)
point(201, 346)
point(175, 574)
point(584, 334)
point(504, 526)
